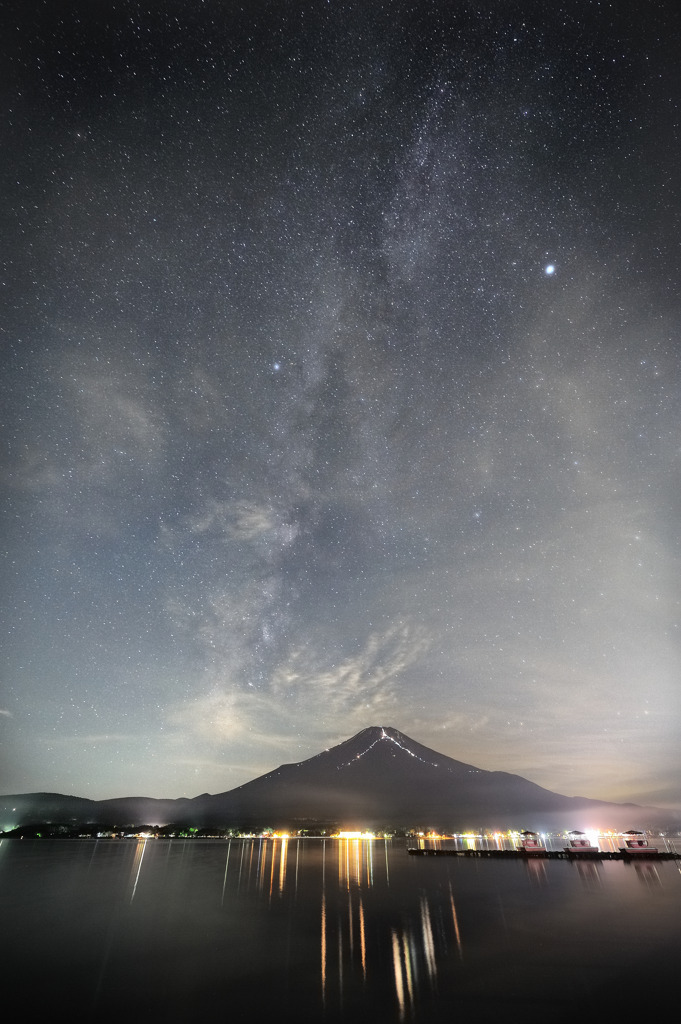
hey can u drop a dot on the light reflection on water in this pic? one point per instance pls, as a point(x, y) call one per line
point(137, 865)
point(359, 866)
point(247, 929)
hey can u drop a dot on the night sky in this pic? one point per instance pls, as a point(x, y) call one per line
point(340, 387)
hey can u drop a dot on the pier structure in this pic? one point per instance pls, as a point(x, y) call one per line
point(565, 854)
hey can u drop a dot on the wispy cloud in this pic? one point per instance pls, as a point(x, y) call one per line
point(306, 693)
point(361, 682)
point(223, 716)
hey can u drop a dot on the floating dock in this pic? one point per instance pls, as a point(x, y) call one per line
point(548, 854)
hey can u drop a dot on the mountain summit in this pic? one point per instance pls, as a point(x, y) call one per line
point(380, 777)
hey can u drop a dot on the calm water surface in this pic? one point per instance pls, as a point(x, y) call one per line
point(317, 930)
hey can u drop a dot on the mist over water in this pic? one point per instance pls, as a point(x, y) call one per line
point(317, 930)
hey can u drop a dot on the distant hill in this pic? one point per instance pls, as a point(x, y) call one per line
point(380, 777)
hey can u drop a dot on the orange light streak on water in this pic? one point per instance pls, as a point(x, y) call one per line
point(323, 950)
point(283, 858)
point(340, 965)
point(397, 970)
point(271, 849)
point(404, 972)
point(362, 939)
point(297, 858)
point(355, 863)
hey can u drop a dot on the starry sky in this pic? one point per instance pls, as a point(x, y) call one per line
point(340, 387)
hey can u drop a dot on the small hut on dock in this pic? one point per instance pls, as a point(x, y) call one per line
point(636, 843)
point(578, 843)
point(530, 843)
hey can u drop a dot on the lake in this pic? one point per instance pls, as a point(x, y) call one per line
point(334, 930)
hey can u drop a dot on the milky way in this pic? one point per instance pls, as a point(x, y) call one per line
point(340, 388)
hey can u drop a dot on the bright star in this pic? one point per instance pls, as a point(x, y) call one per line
point(549, 269)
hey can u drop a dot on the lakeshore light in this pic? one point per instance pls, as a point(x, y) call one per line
point(356, 835)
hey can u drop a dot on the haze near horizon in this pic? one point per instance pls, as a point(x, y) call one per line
point(340, 384)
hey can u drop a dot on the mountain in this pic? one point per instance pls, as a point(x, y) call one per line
point(378, 777)
point(382, 776)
